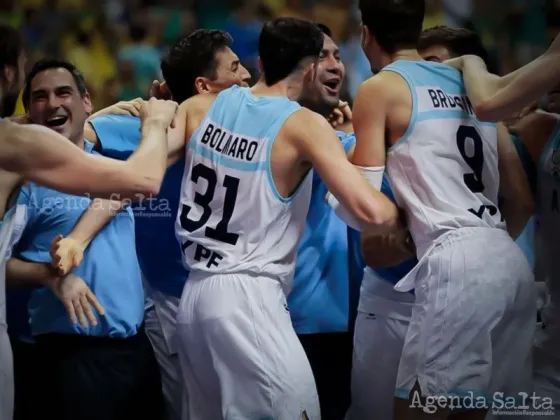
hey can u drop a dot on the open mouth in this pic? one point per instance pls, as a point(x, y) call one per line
point(332, 86)
point(56, 121)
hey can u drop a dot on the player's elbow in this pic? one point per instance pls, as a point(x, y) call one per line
point(484, 111)
point(151, 187)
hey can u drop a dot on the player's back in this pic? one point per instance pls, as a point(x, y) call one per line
point(231, 217)
point(444, 170)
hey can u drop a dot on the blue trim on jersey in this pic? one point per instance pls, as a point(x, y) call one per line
point(442, 114)
point(414, 111)
point(275, 129)
point(219, 159)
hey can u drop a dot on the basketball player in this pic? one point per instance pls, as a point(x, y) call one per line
point(496, 98)
point(384, 314)
point(473, 288)
point(39, 154)
point(244, 199)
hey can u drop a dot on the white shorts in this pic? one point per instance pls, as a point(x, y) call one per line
point(379, 334)
point(473, 321)
point(240, 355)
point(161, 327)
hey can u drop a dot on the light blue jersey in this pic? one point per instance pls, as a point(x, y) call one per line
point(159, 254)
point(232, 218)
point(327, 276)
point(110, 266)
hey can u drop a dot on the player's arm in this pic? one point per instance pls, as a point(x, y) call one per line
point(21, 274)
point(391, 249)
point(369, 125)
point(518, 204)
point(365, 207)
point(41, 155)
point(496, 98)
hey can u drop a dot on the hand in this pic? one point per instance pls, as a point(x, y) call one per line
point(77, 299)
point(20, 119)
point(67, 254)
point(159, 110)
point(159, 90)
point(340, 114)
point(131, 108)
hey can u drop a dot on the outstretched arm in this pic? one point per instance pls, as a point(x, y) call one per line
point(41, 155)
point(497, 98)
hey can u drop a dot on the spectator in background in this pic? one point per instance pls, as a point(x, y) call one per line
point(140, 58)
point(434, 15)
point(244, 26)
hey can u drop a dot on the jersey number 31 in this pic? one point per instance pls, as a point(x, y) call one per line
point(231, 185)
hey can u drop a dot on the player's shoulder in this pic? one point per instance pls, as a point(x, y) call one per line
point(303, 120)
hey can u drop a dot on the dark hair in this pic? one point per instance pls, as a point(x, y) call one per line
point(325, 29)
point(52, 63)
point(191, 57)
point(395, 24)
point(457, 41)
point(284, 43)
point(11, 46)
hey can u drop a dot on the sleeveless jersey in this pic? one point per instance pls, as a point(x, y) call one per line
point(444, 171)
point(548, 219)
point(231, 217)
point(11, 228)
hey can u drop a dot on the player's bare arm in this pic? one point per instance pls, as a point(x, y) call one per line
point(38, 154)
point(496, 98)
point(21, 274)
point(370, 208)
point(518, 205)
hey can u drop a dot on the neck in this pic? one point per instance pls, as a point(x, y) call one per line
point(411, 54)
point(291, 90)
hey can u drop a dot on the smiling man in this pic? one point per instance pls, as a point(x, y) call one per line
point(104, 368)
point(326, 284)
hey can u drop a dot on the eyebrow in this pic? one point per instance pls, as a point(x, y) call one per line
point(234, 63)
point(56, 89)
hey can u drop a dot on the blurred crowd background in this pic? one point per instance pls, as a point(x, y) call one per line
point(117, 43)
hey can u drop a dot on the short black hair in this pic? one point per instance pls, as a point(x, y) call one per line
point(11, 46)
point(190, 57)
point(284, 43)
point(325, 29)
point(458, 41)
point(395, 24)
point(52, 63)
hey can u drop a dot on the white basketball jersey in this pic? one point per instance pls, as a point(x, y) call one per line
point(11, 228)
point(444, 171)
point(231, 218)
